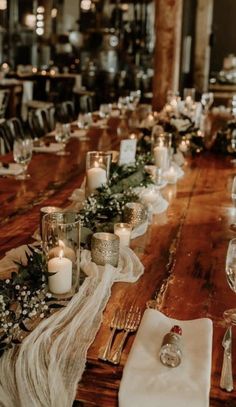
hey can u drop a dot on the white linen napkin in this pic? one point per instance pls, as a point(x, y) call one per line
point(51, 148)
point(13, 169)
point(147, 382)
point(78, 133)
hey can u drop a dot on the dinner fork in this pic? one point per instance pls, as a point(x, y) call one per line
point(131, 325)
point(117, 323)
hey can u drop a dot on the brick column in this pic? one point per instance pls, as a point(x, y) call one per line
point(168, 27)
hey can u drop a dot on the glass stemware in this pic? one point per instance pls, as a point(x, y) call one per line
point(207, 100)
point(62, 135)
point(22, 153)
point(230, 269)
point(233, 192)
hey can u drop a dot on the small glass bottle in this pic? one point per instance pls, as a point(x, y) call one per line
point(171, 349)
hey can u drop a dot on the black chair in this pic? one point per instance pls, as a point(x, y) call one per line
point(86, 104)
point(41, 121)
point(10, 130)
point(65, 112)
point(4, 99)
point(5, 140)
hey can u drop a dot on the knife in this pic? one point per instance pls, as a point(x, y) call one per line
point(226, 380)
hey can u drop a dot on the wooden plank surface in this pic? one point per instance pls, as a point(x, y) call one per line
point(183, 250)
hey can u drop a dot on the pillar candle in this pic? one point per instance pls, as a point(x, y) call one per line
point(123, 231)
point(161, 156)
point(96, 177)
point(61, 281)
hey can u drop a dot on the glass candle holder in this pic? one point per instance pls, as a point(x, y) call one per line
point(134, 213)
point(61, 247)
point(123, 231)
point(97, 170)
point(161, 149)
point(105, 249)
point(44, 211)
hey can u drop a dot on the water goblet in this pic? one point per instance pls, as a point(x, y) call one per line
point(230, 269)
point(207, 100)
point(233, 192)
point(62, 135)
point(104, 110)
point(22, 153)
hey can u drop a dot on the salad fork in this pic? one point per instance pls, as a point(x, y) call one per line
point(117, 323)
point(131, 325)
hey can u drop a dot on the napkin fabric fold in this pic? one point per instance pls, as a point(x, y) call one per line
point(51, 148)
point(147, 382)
point(13, 169)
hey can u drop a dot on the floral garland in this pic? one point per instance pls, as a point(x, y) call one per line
point(225, 140)
point(24, 297)
point(100, 211)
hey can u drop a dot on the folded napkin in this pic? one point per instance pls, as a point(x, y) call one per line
point(51, 148)
point(78, 133)
point(147, 382)
point(13, 169)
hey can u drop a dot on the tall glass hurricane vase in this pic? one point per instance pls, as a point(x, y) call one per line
point(61, 247)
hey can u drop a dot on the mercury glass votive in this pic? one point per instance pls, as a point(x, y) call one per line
point(134, 213)
point(61, 247)
point(97, 170)
point(123, 231)
point(105, 249)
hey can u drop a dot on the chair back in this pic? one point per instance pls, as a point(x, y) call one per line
point(86, 104)
point(4, 99)
point(41, 121)
point(65, 112)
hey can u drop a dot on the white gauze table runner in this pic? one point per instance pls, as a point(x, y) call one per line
point(45, 369)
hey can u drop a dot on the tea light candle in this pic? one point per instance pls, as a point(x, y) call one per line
point(61, 281)
point(183, 146)
point(171, 176)
point(150, 120)
point(123, 231)
point(188, 101)
point(161, 156)
point(96, 177)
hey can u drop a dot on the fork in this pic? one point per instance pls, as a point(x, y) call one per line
point(117, 323)
point(131, 325)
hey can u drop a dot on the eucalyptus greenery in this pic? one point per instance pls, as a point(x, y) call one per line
point(100, 211)
point(24, 298)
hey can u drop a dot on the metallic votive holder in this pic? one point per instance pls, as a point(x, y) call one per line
point(105, 249)
point(134, 213)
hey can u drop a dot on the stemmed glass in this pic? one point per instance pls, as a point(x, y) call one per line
point(230, 269)
point(22, 153)
point(62, 135)
point(233, 192)
point(207, 100)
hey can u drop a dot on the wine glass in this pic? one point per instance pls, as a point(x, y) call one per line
point(207, 100)
point(230, 269)
point(104, 110)
point(233, 192)
point(62, 135)
point(22, 153)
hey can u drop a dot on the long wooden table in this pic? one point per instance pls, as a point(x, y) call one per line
point(183, 250)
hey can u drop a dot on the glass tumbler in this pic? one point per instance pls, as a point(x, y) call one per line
point(61, 247)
